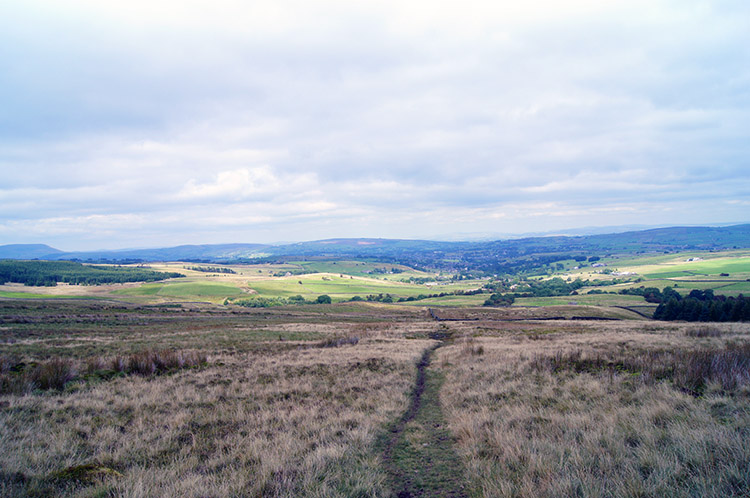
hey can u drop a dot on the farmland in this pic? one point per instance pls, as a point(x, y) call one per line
point(724, 272)
point(342, 279)
point(172, 388)
point(266, 281)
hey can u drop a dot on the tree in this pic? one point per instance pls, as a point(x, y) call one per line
point(323, 299)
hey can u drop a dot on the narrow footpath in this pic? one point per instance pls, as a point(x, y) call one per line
point(418, 450)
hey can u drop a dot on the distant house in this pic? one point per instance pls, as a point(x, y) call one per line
point(598, 265)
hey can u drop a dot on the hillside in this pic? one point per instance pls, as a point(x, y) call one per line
point(501, 256)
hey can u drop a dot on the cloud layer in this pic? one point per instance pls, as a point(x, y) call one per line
point(156, 123)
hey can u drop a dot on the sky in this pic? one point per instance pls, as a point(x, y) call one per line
point(145, 124)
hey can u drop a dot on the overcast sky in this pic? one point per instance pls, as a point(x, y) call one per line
point(151, 123)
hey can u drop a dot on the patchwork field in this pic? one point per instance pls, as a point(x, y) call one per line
point(259, 281)
point(725, 272)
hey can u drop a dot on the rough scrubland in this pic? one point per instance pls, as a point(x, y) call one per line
point(615, 409)
point(325, 400)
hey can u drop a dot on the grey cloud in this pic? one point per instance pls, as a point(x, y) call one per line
point(334, 116)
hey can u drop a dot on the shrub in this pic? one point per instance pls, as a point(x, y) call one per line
point(335, 342)
point(691, 371)
point(53, 374)
point(18, 377)
point(154, 362)
point(705, 331)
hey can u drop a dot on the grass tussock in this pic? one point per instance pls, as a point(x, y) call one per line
point(336, 342)
point(298, 422)
point(470, 347)
point(691, 370)
point(596, 412)
point(18, 377)
point(704, 331)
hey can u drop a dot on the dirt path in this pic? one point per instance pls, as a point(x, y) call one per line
point(418, 450)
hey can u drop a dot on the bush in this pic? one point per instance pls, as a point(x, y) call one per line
point(690, 371)
point(18, 377)
point(705, 331)
point(499, 300)
point(335, 342)
point(54, 374)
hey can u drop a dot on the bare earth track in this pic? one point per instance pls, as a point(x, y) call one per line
point(418, 451)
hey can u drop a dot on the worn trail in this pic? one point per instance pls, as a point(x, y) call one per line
point(418, 450)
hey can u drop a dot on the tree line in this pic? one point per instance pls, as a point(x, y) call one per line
point(50, 273)
point(702, 306)
point(210, 269)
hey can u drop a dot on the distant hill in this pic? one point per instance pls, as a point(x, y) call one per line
point(493, 257)
point(206, 252)
point(28, 251)
point(676, 238)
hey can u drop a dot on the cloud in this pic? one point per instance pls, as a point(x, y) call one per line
point(235, 184)
point(286, 120)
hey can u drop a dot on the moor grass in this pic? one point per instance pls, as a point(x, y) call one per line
point(574, 411)
point(280, 417)
point(321, 400)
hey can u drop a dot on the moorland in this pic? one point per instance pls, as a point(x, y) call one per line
point(378, 370)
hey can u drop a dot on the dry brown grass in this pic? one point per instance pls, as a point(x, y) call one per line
point(528, 431)
point(292, 423)
point(291, 401)
point(18, 377)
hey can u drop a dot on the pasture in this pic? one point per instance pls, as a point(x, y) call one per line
point(351, 278)
point(673, 270)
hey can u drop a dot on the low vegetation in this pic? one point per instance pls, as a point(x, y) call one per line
point(20, 377)
point(282, 423)
point(601, 410)
point(692, 371)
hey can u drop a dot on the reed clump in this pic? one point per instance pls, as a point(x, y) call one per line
point(689, 370)
point(20, 377)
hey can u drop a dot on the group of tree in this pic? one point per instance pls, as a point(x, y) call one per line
point(499, 300)
point(650, 294)
point(49, 273)
point(538, 288)
point(384, 270)
point(269, 302)
point(211, 269)
point(702, 306)
point(378, 298)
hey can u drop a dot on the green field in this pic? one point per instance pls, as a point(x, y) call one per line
point(340, 288)
point(199, 291)
point(738, 267)
point(476, 300)
point(672, 270)
point(739, 287)
point(345, 279)
point(343, 288)
point(583, 299)
point(360, 269)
